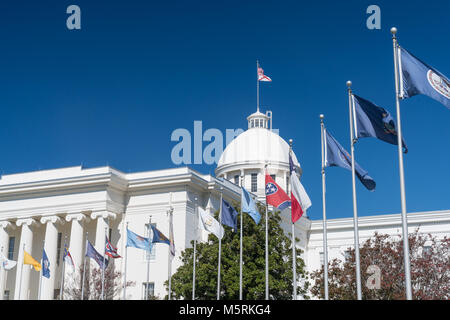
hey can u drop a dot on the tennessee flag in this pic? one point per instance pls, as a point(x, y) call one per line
point(275, 196)
point(28, 259)
point(299, 198)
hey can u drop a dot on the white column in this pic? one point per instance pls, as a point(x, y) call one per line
point(51, 244)
point(4, 242)
point(102, 223)
point(77, 237)
point(23, 272)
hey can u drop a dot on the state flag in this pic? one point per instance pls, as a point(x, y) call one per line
point(416, 77)
point(275, 196)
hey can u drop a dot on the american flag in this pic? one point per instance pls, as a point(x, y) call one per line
point(110, 250)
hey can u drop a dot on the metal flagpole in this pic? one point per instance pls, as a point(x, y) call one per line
point(103, 267)
point(402, 175)
point(21, 272)
point(355, 209)
point(220, 245)
point(267, 249)
point(125, 270)
point(257, 87)
point(149, 256)
point(240, 246)
point(195, 249)
point(84, 268)
point(169, 255)
point(2, 273)
point(61, 289)
point(42, 270)
point(325, 245)
point(294, 260)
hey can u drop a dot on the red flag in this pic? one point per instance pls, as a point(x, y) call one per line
point(275, 196)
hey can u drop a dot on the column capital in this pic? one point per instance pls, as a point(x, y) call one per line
point(103, 214)
point(52, 219)
point(27, 221)
point(77, 216)
point(7, 225)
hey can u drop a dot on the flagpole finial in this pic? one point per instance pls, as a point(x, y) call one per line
point(321, 116)
point(349, 84)
point(393, 31)
point(290, 142)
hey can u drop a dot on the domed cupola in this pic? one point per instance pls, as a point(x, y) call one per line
point(246, 158)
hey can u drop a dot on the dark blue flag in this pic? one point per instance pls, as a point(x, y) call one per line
point(45, 265)
point(374, 121)
point(416, 77)
point(92, 253)
point(158, 236)
point(229, 215)
point(336, 156)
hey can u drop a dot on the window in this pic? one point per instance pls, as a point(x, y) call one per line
point(254, 182)
point(321, 258)
point(236, 180)
point(58, 248)
point(109, 234)
point(252, 124)
point(152, 253)
point(149, 290)
point(12, 240)
point(6, 295)
point(273, 177)
point(56, 294)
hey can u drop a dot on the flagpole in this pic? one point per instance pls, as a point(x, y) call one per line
point(2, 273)
point(402, 174)
point(61, 290)
point(257, 87)
point(267, 248)
point(103, 267)
point(325, 245)
point(42, 270)
point(125, 271)
point(149, 256)
point(195, 249)
point(84, 268)
point(355, 209)
point(220, 245)
point(240, 246)
point(21, 271)
point(294, 260)
point(169, 256)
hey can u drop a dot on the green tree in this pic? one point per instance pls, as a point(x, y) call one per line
point(253, 246)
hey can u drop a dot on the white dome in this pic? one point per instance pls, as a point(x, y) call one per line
point(256, 146)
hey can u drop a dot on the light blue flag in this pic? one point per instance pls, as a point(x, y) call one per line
point(136, 241)
point(249, 206)
point(419, 78)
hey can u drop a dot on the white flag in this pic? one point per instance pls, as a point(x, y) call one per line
point(208, 223)
point(6, 263)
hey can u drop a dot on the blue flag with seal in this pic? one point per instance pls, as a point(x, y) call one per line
point(93, 254)
point(136, 241)
point(45, 265)
point(416, 77)
point(374, 121)
point(159, 237)
point(229, 215)
point(337, 156)
point(249, 206)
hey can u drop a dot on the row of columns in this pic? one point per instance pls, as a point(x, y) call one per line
point(76, 245)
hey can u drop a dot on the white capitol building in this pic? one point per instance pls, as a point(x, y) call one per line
point(54, 205)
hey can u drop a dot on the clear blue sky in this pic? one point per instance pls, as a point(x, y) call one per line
point(113, 92)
